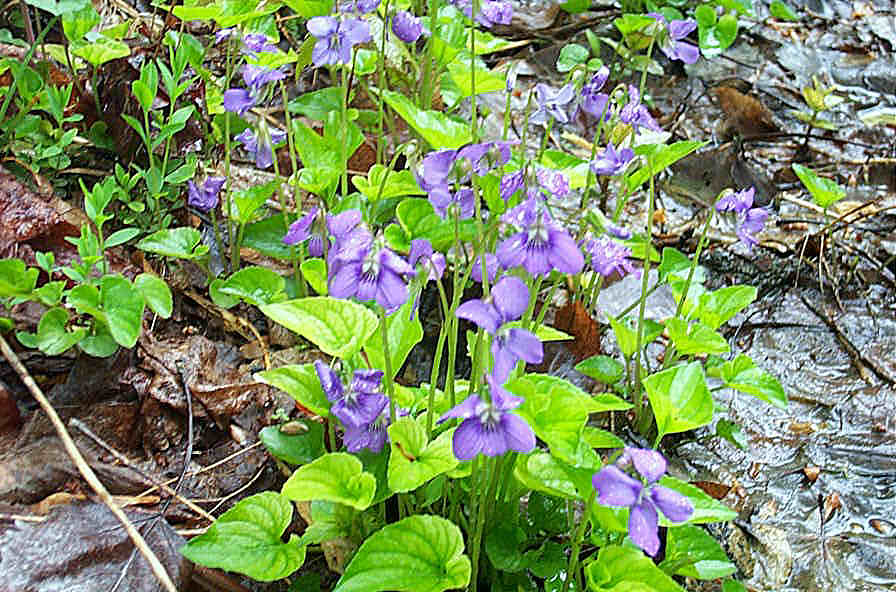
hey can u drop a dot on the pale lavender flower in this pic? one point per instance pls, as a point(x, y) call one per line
point(511, 183)
point(737, 202)
point(489, 427)
point(361, 403)
point(636, 114)
point(237, 100)
point(335, 38)
point(224, 34)
point(406, 26)
point(594, 101)
point(258, 148)
point(300, 230)
point(541, 244)
point(205, 198)
point(618, 231)
point(642, 496)
point(491, 12)
point(752, 222)
point(422, 254)
point(370, 271)
point(506, 302)
point(255, 43)
point(612, 162)
point(671, 41)
point(552, 104)
point(492, 267)
point(554, 182)
point(449, 203)
point(609, 257)
point(359, 6)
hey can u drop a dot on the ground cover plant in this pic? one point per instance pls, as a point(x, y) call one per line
point(488, 472)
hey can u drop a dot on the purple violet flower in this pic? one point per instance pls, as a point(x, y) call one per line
point(554, 182)
point(488, 426)
point(511, 183)
point(671, 43)
point(359, 6)
point(255, 43)
point(612, 162)
point(335, 38)
point(636, 114)
point(223, 34)
point(506, 302)
point(261, 151)
point(618, 231)
point(422, 254)
point(642, 496)
point(737, 202)
point(369, 271)
point(609, 257)
point(492, 267)
point(406, 26)
point(300, 231)
point(205, 198)
point(363, 401)
point(552, 103)
point(237, 100)
point(594, 101)
point(449, 203)
point(491, 12)
point(541, 244)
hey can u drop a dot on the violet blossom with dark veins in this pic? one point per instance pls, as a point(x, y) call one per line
point(552, 104)
point(372, 435)
point(335, 38)
point(541, 244)
point(636, 114)
point(361, 403)
point(368, 271)
point(611, 162)
point(303, 230)
point(643, 496)
point(422, 254)
point(406, 26)
point(506, 302)
point(609, 257)
point(205, 198)
point(511, 183)
point(554, 182)
point(489, 427)
point(737, 202)
point(671, 40)
point(750, 220)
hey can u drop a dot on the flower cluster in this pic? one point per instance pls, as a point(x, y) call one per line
point(490, 13)
point(260, 144)
point(750, 220)
point(609, 257)
point(337, 35)
point(361, 408)
point(642, 496)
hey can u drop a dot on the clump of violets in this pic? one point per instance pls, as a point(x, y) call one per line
point(609, 257)
point(643, 496)
point(750, 220)
point(361, 403)
point(488, 426)
point(406, 26)
point(205, 197)
point(336, 36)
point(358, 6)
point(506, 302)
point(671, 39)
point(540, 244)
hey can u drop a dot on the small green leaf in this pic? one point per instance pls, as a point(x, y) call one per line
point(733, 433)
point(403, 334)
point(182, 243)
point(338, 327)
point(598, 438)
point(413, 461)
point(743, 375)
point(248, 201)
point(296, 449)
point(50, 294)
point(377, 185)
point(718, 307)
point(419, 220)
point(314, 271)
point(824, 191)
point(300, 381)
point(679, 398)
point(156, 293)
point(417, 554)
point(602, 369)
point(247, 539)
point(335, 477)
point(119, 237)
point(317, 104)
point(220, 298)
point(439, 130)
point(695, 338)
point(706, 509)
point(77, 24)
point(123, 305)
point(542, 472)
point(15, 279)
point(52, 336)
point(660, 157)
point(782, 12)
point(691, 552)
point(256, 285)
point(310, 8)
point(100, 344)
point(100, 50)
point(619, 569)
point(571, 56)
point(733, 586)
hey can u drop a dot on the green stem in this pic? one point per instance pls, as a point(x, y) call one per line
point(390, 385)
point(578, 537)
point(437, 361)
point(381, 67)
point(474, 124)
point(644, 286)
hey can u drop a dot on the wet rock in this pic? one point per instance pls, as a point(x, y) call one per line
point(83, 548)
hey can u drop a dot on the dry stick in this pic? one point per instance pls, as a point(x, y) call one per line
point(157, 568)
point(214, 465)
point(151, 478)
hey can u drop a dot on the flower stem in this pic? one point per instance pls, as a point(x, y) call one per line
point(390, 386)
point(644, 287)
point(578, 537)
point(381, 66)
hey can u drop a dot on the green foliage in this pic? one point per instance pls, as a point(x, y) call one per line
point(679, 398)
point(338, 327)
point(824, 191)
point(335, 477)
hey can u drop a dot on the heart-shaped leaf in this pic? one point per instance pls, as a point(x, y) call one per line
point(338, 327)
point(182, 243)
point(300, 381)
point(679, 398)
point(335, 477)
point(413, 460)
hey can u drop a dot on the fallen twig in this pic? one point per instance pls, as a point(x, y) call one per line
point(157, 568)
